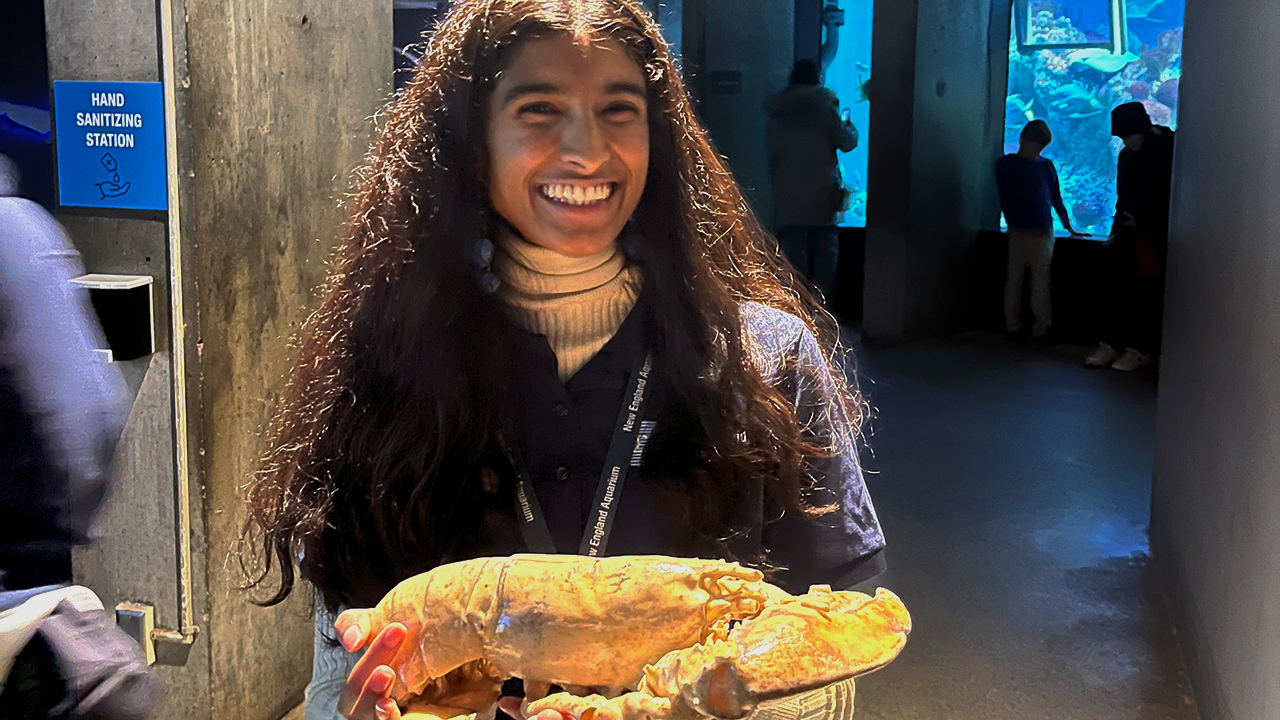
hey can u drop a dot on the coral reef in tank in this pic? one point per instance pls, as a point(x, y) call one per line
point(1074, 90)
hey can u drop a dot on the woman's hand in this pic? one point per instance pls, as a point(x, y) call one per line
point(511, 706)
point(367, 694)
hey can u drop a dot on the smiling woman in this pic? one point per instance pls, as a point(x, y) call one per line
point(553, 325)
point(568, 142)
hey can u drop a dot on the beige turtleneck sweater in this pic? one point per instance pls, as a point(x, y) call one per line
point(578, 304)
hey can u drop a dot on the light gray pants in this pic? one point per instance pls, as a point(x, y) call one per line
point(1029, 251)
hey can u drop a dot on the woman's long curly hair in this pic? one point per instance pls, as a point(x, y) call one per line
point(376, 449)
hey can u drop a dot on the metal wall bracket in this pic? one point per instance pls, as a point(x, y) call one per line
point(138, 620)
point(185, 636)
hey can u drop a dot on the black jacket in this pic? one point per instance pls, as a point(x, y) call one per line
point(563, 432)
point(1144, 180)
point(564, 429)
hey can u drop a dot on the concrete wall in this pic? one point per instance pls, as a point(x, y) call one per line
point(931, 187)
point(136, 556)
point(756, 38)
point(274, 97)
point(1216, 502)
point(280, 96)
point(807, 42)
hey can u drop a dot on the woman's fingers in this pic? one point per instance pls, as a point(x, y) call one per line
point(511, 706)
point(373, 696)
point(381, 652)
point(372, 677)
point(387, 709)
point(353, 628)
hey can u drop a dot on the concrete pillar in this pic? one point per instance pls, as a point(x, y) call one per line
point(693, 46)
point(808, 30)
point(893, 65)
point(281, 92)
point(931, 183)
point(749, 54)
point(1216, 496)
point(273, 98)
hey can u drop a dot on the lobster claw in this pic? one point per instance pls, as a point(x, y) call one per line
point(807, 642)
point(819, 638)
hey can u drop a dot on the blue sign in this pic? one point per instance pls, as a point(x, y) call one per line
point(110, 144)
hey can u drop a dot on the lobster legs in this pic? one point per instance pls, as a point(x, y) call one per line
point(629, 706)
point(691, 638)
point(796, 645)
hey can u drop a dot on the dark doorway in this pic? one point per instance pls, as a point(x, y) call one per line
point(412, 22)
point(25, 135)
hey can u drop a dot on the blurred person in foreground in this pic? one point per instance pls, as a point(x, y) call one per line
point(1029, 195)
point(61, 413)
point(1139, 241)
point(804, 132)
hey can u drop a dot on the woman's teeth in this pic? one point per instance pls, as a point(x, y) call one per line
point(576, 194)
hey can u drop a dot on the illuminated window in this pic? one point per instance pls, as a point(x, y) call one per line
point(847, 76)
point(1035, 25)
point(1070, 63)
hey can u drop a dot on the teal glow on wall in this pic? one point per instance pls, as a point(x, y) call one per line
point(847, 74)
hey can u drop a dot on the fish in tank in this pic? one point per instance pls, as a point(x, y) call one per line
point(1074, 89)
point(849, 77)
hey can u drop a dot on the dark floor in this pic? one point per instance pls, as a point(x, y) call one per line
point(1014, 486)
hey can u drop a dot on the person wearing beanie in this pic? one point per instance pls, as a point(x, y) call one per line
point(1029, 195)
point(1130, 120)
point(1136, 249)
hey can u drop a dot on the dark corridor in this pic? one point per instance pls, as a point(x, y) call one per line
point(1014, 487)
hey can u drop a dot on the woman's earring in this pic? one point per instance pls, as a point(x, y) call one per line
point(630, 240)
point(484, 253)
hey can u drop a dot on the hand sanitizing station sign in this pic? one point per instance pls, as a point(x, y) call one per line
point(110, 144)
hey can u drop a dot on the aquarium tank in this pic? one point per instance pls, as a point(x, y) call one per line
point(1070, 63)
point(847, 76)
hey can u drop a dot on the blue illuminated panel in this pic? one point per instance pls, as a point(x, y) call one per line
point(109, 139)
point(847, 77)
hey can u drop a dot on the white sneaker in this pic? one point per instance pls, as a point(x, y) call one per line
point(1102, 357)
point(1131, 360)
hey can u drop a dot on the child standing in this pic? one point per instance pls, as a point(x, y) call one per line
point(1029, 190)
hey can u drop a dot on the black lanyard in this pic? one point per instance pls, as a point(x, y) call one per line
point(630, 434)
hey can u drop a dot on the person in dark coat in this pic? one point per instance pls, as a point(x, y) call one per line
point(805, 131)
point(1138, 244)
